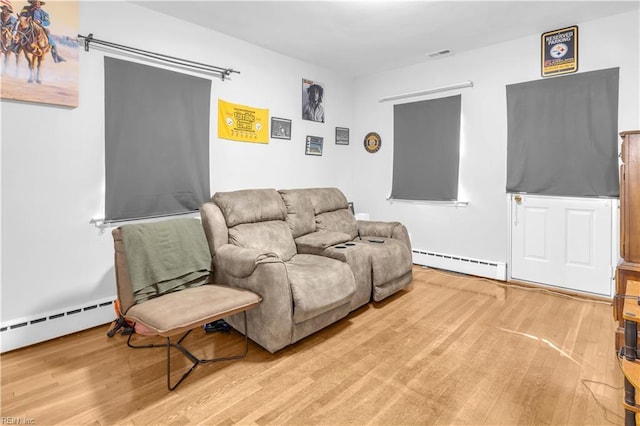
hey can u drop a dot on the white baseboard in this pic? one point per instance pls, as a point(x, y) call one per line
point(22, 332)
point(465, 265)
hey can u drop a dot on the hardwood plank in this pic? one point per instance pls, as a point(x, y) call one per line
point(453, 349)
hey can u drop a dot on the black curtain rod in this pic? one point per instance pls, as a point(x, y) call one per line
point(224, 72)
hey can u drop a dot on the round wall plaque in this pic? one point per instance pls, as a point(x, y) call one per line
point(372, 142)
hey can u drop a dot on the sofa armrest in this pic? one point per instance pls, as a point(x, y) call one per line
point(394, 230)
point(241, 262)
point(270, 323)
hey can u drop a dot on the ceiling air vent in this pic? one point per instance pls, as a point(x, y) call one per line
point(439, 53)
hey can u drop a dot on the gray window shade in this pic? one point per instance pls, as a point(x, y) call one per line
point(562, 135)
point(426, 149)
point(156, 141)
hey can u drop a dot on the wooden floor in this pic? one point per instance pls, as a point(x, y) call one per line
point(451, 350)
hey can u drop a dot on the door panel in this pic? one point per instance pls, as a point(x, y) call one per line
point(579, 237)
point(563, 242)
point(535, 242)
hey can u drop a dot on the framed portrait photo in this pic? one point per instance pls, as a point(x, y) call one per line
point(314, 145)
point(342, 136)
point(280, 128)
point(312, 101)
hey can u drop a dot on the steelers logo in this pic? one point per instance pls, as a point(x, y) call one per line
point(258, 126)
point(558, 50)
point(229, 121)
point(372, 142)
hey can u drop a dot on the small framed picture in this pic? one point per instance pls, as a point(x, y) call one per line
point(312, 101)
point(280, 128)
point(342, 136)
point(314, 145)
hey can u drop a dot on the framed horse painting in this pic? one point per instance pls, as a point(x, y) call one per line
point(39, 51)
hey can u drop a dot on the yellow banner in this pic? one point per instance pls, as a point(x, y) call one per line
point(242, 123)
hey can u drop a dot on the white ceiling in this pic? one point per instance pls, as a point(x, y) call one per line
point(361, 37)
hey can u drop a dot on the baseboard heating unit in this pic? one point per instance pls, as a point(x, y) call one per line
point(464, 265)
point(38, 328)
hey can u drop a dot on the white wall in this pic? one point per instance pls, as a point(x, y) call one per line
point(53, 158)
point(479, 230)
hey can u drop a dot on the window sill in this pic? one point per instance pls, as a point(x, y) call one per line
point(452, 203)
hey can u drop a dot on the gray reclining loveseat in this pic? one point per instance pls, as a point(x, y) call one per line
point(304, 253)
point(379, 253)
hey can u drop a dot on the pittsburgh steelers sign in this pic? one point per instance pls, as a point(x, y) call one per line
point(560, 51)
point(372, 142)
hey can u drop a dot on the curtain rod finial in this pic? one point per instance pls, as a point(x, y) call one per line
point(87, 40)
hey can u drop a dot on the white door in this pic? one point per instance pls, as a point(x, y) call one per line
point(562, 242)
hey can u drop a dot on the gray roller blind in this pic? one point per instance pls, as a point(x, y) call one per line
point(562, 135)
point(426, 149)
point(156, 141)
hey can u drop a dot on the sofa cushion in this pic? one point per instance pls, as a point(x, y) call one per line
point(267, 237)
point(338, 221)
point(326, 199)
point(318, 285)
point(250, 205)
point(300, 217)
